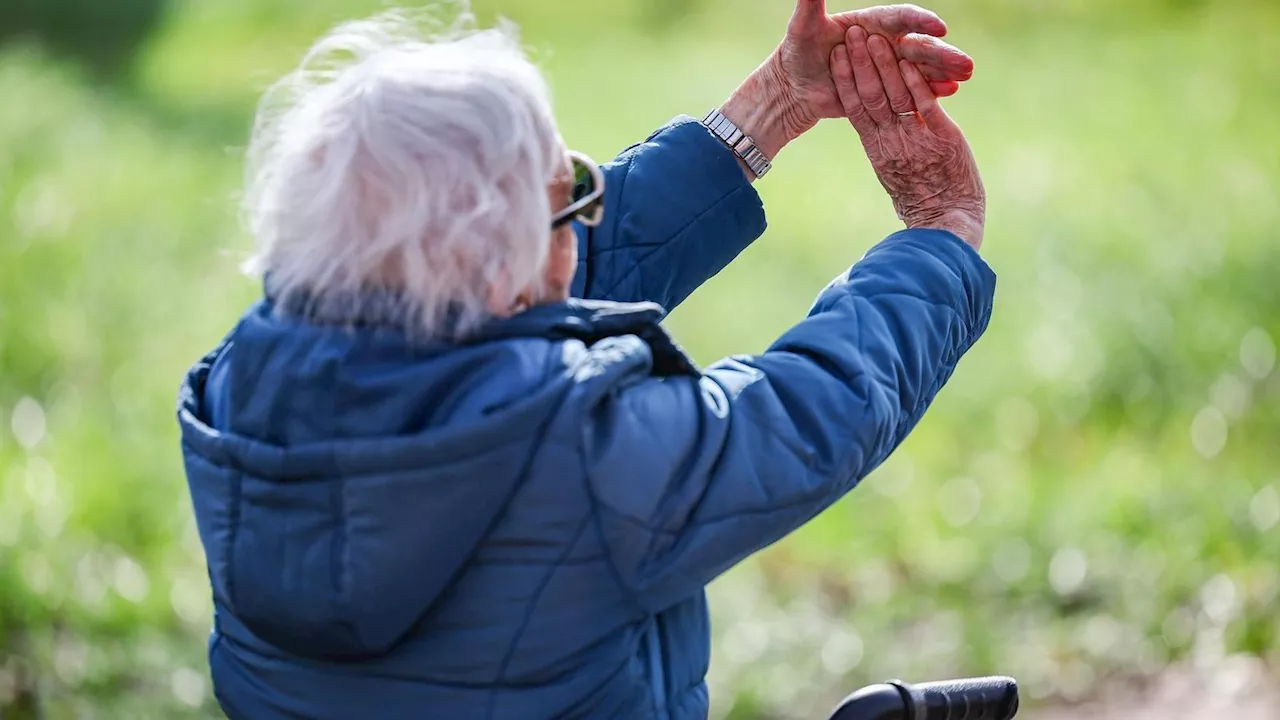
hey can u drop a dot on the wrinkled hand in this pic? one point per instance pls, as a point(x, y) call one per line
point(803, 58)
point(916, 149)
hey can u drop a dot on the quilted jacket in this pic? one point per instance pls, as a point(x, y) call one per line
point(522, 525)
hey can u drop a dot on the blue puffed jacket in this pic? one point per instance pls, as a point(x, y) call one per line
point(521, 525)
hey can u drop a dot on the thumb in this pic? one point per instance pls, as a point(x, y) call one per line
point(808, 16)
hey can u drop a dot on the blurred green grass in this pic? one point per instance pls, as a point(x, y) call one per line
point(1095, 495)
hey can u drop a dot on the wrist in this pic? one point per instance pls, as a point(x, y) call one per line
point(763, 107)
point(964, 224)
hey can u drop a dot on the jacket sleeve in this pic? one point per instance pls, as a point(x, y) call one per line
point(690, 475)
point(678, 209)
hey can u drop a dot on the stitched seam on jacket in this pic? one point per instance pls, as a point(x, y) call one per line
point(520, 562)
point(597, 503)
point(893, 293)
point(803, 500)
point(233, 529)
point(808, 498)
point(337, 564)
point(617, 221)
point(827, 495)
point(953, 358)
point(629, 246)
point(911, 416)
point(690, 686)
point(525, 469)
point(598, 521)
point(857, 384)
point(529, 610)
point(768, 422)
point(660, 246)
point(685, 468)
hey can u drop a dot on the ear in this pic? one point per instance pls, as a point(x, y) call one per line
point(562, 265)
point(501, 298)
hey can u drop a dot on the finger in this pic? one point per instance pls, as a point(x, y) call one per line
point(946, 88)
point(870, 89)
point(895, 87)
point(926, 102)
point(809, 16)
point(936, 59)
point(935, 74)
point(894, 20)
point(847, 89)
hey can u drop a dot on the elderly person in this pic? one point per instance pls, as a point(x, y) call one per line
point(431, 483)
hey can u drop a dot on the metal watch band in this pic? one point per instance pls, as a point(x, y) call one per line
point(742, 144)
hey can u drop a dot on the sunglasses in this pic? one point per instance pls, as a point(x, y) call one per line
point(587, 204)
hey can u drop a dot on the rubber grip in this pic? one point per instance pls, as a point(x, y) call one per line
point(987, 698)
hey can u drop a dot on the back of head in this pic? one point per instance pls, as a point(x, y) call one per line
point(404, 159)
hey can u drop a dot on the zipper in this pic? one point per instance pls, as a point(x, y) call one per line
point(657, 675)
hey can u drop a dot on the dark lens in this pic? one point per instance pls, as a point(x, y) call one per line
point(583, 183)
point(591, 214)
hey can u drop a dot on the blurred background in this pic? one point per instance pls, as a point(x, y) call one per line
point(1093, 505)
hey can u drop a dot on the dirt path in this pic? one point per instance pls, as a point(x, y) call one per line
point(1238, 689)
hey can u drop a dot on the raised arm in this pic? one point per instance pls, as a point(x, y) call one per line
point(677, 211)
point(693, 474)
point(679, 206)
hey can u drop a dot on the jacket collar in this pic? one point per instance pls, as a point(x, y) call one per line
point(589, 321)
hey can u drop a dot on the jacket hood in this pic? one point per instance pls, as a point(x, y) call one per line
point(342, 478)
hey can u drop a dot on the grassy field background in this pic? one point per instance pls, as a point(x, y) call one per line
point(1095, 496)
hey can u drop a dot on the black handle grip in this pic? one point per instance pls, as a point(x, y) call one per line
point(988, 698)
point(876, 702)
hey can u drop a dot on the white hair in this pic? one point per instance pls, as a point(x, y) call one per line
point(404, 159)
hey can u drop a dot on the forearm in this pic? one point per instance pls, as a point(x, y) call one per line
point(678, 211)
point(762, 108)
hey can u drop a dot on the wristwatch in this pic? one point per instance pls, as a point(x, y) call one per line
point(742, 144)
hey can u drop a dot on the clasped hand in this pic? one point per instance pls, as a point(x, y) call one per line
point(883, 68)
